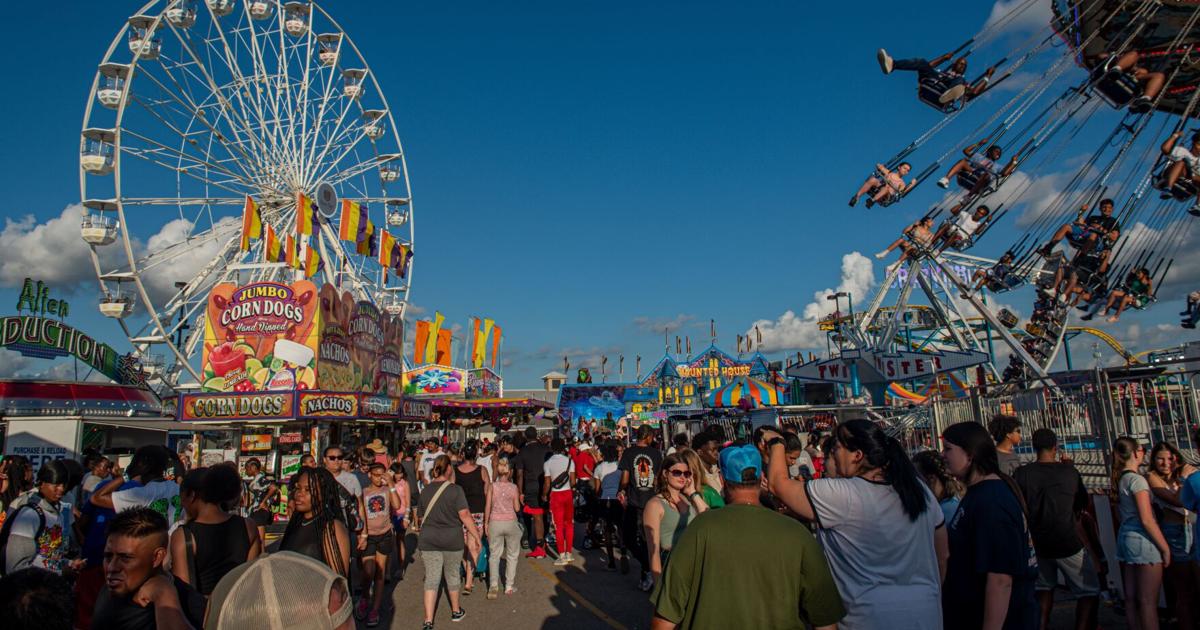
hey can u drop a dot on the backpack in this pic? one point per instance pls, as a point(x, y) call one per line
point(6, 531)
point(349, 504)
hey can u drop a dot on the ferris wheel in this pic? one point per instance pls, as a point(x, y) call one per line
point(198, 105)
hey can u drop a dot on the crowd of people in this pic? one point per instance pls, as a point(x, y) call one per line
point(850, 530)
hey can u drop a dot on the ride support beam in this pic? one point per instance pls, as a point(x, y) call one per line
point(991, 319)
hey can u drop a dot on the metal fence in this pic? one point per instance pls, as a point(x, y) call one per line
point(1087, 410)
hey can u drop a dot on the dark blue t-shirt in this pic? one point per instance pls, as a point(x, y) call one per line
point(97, 529)
point(988, 534)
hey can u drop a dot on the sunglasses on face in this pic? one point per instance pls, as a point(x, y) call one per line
point(333, 458)
point(675, 472)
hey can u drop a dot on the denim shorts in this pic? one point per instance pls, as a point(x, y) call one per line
point(1179, 539)
point(1135, 547)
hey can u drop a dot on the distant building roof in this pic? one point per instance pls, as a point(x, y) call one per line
point(553, 374)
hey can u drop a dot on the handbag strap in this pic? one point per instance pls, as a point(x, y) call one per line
point(189, 548)
point(433, 501)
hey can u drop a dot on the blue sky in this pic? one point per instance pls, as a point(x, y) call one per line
point(584, 173)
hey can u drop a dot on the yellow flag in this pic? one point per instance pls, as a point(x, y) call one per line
point(431, 344)
point(480, 350)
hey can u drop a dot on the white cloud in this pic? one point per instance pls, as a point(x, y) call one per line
point(15, 365)
point(52, 251)
point(175, 257)
point(792, 331)
point(1032, 18)
point(55, 252)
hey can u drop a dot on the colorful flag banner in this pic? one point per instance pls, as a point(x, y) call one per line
point(479, 351)
point(476, 326)
point(496, 332)
point(306, 216)
point(312, 262)
point(431, 343)
point(420, 340)
point(289, 255)
point(273, 252)
point(366, 234)
point(352, 218)
point(387, 247)
point(445, 338)
point(251, 223)
point(400, 263)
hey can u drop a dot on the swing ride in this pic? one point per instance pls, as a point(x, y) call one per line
point(1123, 71)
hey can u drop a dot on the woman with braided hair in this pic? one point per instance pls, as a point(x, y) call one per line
point(316, 529)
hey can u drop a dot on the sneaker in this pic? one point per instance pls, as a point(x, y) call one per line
point(943, 182)
point(647, 583)
point(870, 202)
point(457, 615)
point(360, 611)
point(373, 620)
point(885, 61)
point(952, 94)
point(571, 556)
point(1188, 325)
point(1087, 318)
point(428, 625)
point(883, 254)
point(1194, 210)
point(562, 561)
point(538, 552)
point(493, 593)
point(510, 590)
point(853, 200)
point(1141, 105)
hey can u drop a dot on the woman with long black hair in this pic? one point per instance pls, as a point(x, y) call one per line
point(879, 525)
point(990, 579)
point(315, 529)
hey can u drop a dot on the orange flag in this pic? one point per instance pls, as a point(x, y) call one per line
point(420, 341)
point(444, 339)
point(496, 332)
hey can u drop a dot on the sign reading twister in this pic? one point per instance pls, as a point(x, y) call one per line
point(261, 337)
point(277, 337)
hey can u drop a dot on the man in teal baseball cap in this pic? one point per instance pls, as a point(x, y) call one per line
point(760, 569)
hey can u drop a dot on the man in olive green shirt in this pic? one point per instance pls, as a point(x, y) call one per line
point(745, 566)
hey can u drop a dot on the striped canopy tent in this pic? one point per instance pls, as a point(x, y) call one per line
point(756, 393)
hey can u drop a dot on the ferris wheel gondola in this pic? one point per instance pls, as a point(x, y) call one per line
point(197, 106)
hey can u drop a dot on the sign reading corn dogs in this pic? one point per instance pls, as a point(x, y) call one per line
point(261, 337)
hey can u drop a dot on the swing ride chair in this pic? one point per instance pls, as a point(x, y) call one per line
point(930, 91)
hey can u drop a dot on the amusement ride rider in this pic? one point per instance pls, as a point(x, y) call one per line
point(960, 228)
point(1087, 233)
point(884, 184)
point(952, 78)
point(982, 168)
point(1181, 160)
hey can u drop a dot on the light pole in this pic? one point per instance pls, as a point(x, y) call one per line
point(855, 386)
